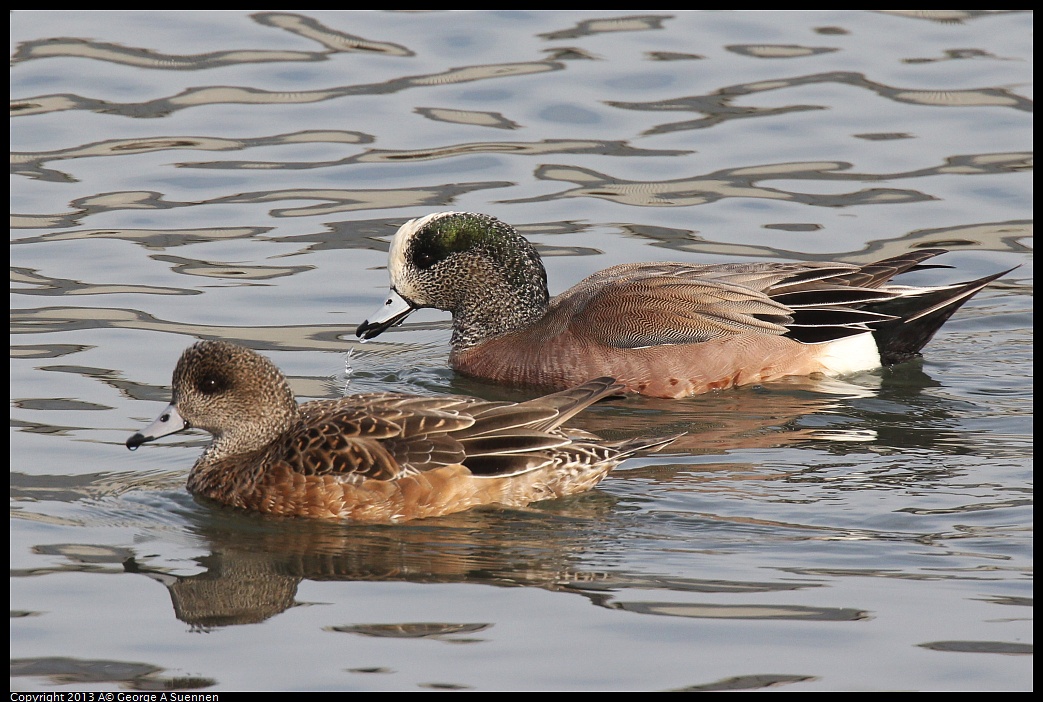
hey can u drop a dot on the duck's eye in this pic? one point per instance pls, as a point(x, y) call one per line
point(211, 384)
point(427, 251)
point(424, 259)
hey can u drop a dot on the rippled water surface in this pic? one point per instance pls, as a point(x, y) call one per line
point(236, 175)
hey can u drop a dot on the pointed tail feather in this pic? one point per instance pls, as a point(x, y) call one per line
point(631, 447)
point(569, 403)
point(918, 316)
point(880, 272)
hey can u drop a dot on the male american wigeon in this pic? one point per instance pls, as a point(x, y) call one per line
point(378, 457)
point(660, 329)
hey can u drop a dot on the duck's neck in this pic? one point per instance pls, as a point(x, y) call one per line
point(501, 298)
point(227, 479)
point(249, 431)
point(236, 461)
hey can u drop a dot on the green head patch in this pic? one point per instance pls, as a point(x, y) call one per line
point(457, 233)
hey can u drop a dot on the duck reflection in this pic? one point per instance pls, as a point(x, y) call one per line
point(256, 564)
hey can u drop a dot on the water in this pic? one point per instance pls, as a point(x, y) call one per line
point(185, 175)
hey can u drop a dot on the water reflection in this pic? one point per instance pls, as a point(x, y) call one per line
point(32, 164)
point(233, 95)
point(87, 672)
point(746, 183)
point(255, 566)
point(334, 200)
point(332, 40)
point(718, 107)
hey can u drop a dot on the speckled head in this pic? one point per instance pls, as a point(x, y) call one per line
point(433, 257)
point(235, 394)
point(475, 266)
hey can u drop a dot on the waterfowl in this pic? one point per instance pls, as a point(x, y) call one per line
point(377, 457)
point(661, 329)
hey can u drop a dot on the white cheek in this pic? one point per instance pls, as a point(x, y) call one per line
point(397, 257)
point(398, 268)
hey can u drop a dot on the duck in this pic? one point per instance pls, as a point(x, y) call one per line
point(662, 329)
point(380, 457)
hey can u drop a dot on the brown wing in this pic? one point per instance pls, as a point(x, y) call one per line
point(385, 436)
point(381, 436)
point(632, 306)
point(651, 304)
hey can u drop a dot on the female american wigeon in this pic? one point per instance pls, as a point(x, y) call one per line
point(661, 329)
point(379, 457)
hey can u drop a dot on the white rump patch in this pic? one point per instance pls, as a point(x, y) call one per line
point(850, 355)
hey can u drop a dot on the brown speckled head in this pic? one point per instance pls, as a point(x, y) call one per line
point(235, 394)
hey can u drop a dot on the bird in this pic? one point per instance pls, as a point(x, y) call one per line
point(378, 457)
point(663, 329)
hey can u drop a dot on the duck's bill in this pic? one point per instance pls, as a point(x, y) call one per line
point(170, 422)
point(395, 309)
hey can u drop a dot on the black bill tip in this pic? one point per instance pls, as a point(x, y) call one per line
point(137, 440)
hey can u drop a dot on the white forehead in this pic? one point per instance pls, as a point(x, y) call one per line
point(400, 243)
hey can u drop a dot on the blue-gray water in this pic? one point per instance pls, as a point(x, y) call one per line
point(237, 175)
